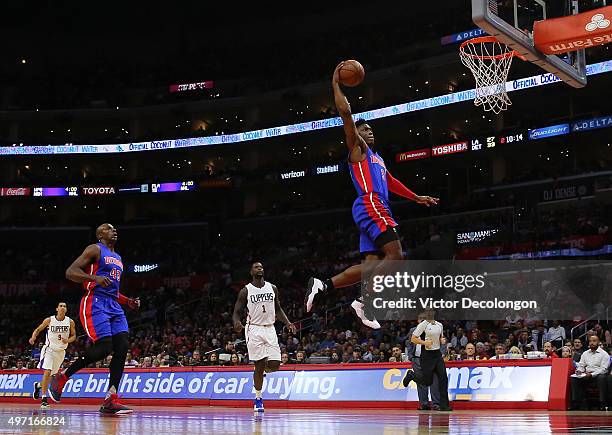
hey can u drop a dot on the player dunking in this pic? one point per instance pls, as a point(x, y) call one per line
point(378, 238)
point(60, 332)
point(99, 268)
point(263, 305)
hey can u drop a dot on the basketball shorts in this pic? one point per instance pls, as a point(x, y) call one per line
point(262, 342)
point(51, 359)
point(101, 316)
point(376, 225)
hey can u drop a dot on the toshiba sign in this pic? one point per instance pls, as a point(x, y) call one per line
point(102, 190)
point(450, 148)
point(413, 155)
point(15, 191)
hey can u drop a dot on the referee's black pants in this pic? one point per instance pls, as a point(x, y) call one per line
point(432, 362)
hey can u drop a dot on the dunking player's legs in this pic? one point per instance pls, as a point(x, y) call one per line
point(390, 250)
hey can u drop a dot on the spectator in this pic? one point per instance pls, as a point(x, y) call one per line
point(523, 342)
point(550, 350)
point(196, 358)
point(481, 352)
point(156, 362)
point(234, 360)
point(328, 343)
point(285, 358)
point(515, 352)
point(356, 358)
point(129, 361)
point(213, 359)
point(335, 358)
point(566, 352)
point(146, 362)
point(470, 352)
point(577, 351)
point(299, 357)
point(539, 337)
point(459, 339)
point(500, 351)
point(592, 370)
point(396, 352)
point(556, 334)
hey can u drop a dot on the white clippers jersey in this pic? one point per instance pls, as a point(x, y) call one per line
point(260, 304)
point(56, 331)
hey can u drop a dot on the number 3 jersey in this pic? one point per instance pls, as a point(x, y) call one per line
point(111, 266)
point(57, 330)
point(260, 304)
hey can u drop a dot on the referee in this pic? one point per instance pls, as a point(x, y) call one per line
point(428, 334)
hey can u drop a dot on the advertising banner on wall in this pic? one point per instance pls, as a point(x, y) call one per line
point(496, 383)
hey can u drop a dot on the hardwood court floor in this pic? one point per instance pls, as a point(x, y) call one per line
point(85, 419)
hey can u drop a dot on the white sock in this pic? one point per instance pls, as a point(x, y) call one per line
point(111, 390)
point(258, 394)
point(44, 396)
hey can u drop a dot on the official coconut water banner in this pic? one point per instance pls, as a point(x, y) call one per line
point(494, 383)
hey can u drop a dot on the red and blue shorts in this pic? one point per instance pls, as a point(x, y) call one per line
point(373, 217)
point(101, 316)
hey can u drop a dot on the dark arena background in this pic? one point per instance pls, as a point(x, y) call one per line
point(209, 137)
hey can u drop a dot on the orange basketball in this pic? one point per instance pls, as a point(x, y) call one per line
point(351, 73)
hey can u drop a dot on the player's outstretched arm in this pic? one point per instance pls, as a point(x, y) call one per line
point(398, 188)
point(76, 271)
point(354, 142)
point(238, 309)
point(280, 314)
point(44, 325)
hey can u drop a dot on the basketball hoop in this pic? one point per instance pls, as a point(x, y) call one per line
point(489, 60)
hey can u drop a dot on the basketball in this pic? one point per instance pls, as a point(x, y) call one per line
point(351, 73)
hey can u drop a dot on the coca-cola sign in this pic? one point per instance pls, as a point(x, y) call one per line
point(15, 191)
point(98, 190)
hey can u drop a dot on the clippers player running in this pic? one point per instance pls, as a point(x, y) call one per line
point(99, 268)
point(263, 305)
point(60, 332)
point(371, 212)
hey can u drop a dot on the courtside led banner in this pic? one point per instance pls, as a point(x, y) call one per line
point(399, 109)
point(491, 383)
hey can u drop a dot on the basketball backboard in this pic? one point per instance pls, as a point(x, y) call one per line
point(511, 22)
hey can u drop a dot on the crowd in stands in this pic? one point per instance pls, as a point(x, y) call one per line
point(181, 323)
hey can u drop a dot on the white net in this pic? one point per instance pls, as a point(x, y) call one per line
point(489, 61)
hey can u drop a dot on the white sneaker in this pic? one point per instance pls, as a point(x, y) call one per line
point(315, 285)
point(358, 307)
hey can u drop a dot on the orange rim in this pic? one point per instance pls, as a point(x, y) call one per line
point(485, 39)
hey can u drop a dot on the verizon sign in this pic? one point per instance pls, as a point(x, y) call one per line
point(451, 148)
point(102, 190)
point(413, 155)
point(575, 32)
point(15, 191)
